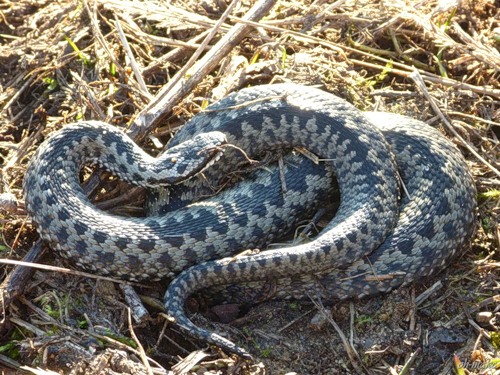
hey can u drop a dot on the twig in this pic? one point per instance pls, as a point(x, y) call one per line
point(170, 95)
point(491, 300)
point(428, 77)
point(168, 321)
point(352, 316)
point(9, 362)
point(472, 117)
point(142, 37)
point(289, 324)
point(417, 78)
point(185, 365)
point(29, 261)
point(89, 95)
point(173, 55)
point(127, 197)
point(22, 149)
point(141, 351)
point(98, 35)
point(82, 333)
point(410, 361)
point(18, 93)
point(397, 68)
point(14, 284)
point(28, 327)
point(354, 357)
point(177, 79)
point(428, 292)
point(133, 63)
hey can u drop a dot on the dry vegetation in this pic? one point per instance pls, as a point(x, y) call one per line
point(119, 61)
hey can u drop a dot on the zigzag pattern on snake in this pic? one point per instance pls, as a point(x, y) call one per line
point(436, 219)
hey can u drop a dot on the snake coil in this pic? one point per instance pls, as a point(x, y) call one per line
point(375, 232)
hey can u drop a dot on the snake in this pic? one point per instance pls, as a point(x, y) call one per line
point(407, 204)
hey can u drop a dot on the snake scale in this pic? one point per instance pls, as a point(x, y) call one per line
point(377, 231)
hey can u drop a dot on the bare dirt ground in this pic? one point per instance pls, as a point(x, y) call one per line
point(118, 61)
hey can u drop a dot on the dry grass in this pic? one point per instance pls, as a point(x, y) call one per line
point(131, 63)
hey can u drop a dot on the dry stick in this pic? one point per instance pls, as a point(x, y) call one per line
point(410, 361)
point(9, 362)
point(13, 285)
point(403, 70)
point(177, 79)
point(173, 55)
point(131, 57)
point(172, 94)
point(353, 355)
point(289, 324)
point(472, 117)
point(22, 149)
point(489, 301)
point(79, 332)
point(428, 292)
point(430, 78)
point(352, 317)
point(140, 348)
point(185, 365)
point(29, 261)
point(18, 93)
point(417, 78)
point(89, 95)
point(141, 36)
point(100, 38)
point(102, 42)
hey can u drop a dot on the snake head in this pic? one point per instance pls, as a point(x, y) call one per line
point(195, 155)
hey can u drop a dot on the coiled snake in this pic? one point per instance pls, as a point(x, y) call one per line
point(372, 231)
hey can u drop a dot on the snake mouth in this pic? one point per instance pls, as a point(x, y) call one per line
point(215, 155)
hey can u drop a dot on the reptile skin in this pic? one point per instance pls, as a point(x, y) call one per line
point(435, 221)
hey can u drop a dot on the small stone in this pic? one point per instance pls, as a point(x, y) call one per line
point(484, 316)
point(319, 320)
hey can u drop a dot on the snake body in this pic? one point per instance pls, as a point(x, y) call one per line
point(156, 247)
point(429, 232)
point(258, 119)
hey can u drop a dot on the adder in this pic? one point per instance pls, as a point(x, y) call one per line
point(377, 230)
